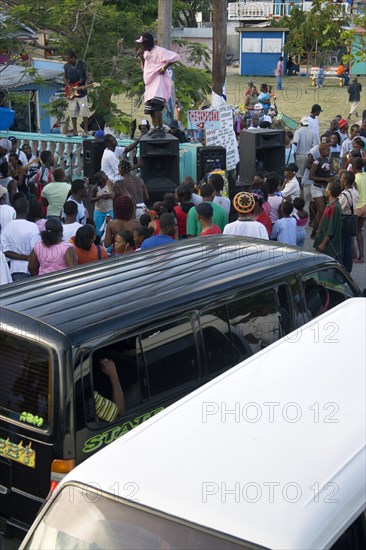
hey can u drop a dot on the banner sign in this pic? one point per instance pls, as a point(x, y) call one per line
point(225, 136)
point(208, 119)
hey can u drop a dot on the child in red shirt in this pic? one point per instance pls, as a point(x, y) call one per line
point(205, 213)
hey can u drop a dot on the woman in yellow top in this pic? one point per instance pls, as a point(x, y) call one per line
point(360, 178)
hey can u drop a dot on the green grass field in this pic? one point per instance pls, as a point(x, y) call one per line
point(295, 100)
point(297, 96)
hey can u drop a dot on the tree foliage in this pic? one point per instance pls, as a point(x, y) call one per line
point(348, 38)
point(104, 33)
point(316, 30)
point(184, 13)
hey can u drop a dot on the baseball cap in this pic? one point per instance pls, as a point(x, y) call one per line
point(258, 107)
point(316, 107)
point(3, 191)
point(144, 122)
point(12, 138)
point(267, 118)
point(250, 82)
point(145, 37)
point(5, 144)
point(205, 210)
point(342, 123)
point(173, 124)
point(305, 121)
point(99, 134)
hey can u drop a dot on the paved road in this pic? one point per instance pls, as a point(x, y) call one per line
point(358, 271)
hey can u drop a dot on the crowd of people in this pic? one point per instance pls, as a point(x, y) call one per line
point(45, 225)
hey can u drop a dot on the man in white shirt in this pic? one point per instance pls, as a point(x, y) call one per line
point(7, 212)
point(70, 225)
point(5, 276)
point(245, 226)
point(79, 191)
point(15, 149)
point(304, 139)
point(218, 182)
point(112, 155)
point(314, 121)
point(5, 146)
point(18, 240)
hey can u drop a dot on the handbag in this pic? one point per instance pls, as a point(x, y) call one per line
point(349, 221)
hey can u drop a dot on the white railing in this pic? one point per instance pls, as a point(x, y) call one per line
point(68, 152)
point(252, 10)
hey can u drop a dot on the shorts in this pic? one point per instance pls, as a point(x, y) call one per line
point(78, 106)
point(140, 209)
point(301, 163)
point(154, 105)
point(317, 192)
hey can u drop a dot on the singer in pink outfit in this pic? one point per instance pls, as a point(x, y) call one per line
point(155, 62)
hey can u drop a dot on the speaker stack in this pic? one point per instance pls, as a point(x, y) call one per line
point(209, 158)
point(160, 165)
point(92, 156)
point(261, 150)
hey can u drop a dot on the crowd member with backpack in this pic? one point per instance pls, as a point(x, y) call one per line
point(360, 178)
point(79, 191)
point(320, 173)
point(348, 201)
point(328, 239)
point(302, 217)
point(290, 149)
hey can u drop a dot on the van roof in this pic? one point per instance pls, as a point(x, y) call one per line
point(292, 480)
point(119, 288)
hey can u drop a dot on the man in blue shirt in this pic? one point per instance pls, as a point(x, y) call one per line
point(76, 84)
point(168, 230)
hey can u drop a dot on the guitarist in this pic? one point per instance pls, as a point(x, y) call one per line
point(76, 80)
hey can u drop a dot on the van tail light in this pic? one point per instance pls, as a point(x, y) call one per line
point(59, 468)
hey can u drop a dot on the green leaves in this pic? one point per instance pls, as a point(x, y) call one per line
point(320, 28)
point(104, 31)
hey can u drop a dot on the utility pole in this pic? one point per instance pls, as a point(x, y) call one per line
point(219, 39)
point(165, 9)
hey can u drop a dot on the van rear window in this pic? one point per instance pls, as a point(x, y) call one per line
point(25, 379)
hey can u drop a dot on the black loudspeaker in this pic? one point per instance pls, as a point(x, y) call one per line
point(160, 165)
point(261, 150)
point(214, 157)
point(92, 156)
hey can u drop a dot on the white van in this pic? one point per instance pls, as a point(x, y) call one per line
point(271, 454)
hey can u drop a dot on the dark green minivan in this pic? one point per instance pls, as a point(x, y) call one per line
point(171, 319)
